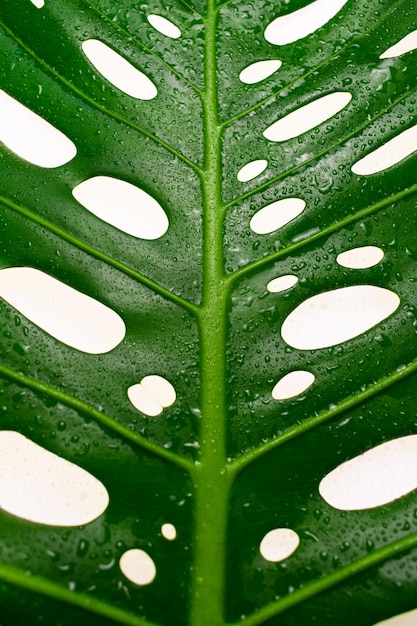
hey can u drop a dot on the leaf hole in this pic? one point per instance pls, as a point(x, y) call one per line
point(403, 619)
point(279, 544)
point(66, 314)
point(360, 258)
point(406, 44)
point(39, 486)
point(308, 116)
point(258, 71)
point(298, 24)
point(118, 71)
point(31, 137)
point(282, 283)
point(138, 567)
point(293, 384)
point(251, 170)
point(375, 478)
point(123, 205)
point(164, 26)
point(276, 215)
point(389, 154)
point(152, 395)
point(38, 3)
point(169, 531)
point(333, 317)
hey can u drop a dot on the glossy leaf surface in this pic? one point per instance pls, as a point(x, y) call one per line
point(221, 463)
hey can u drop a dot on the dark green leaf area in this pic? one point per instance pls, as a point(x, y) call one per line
point(281, 491)
point(161, 339)
point(144, 494)
point(259, 357)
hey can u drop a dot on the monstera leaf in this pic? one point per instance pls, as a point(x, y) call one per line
point(245, 238)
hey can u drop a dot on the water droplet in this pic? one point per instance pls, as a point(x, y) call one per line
point(70, 316)
point(123, 205)
point(276, 215)
point(138, 567)
point(406, 44)
point(258, 71)
point(360, 258)
point(330, 318)
point(292, 384)
point(251, 170)
point(164, 26)
point(31, 137)
point(298, 24)
point(389, 154)
point(279, 544)
point(118, 71)
point(374, 478)
point(308, 116)
point(40, 486)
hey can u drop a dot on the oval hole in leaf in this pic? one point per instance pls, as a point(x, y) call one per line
point(276, 215)
point(308, 116)
point(68, 315)
point(123, 205)
point(138, 567)
point(164, 26)
point(360, 258)
point(169, 531)
point(403, 619)
point(118, 71)
point(282, 283)
point(40, 486)
point(406, 44)
point(251, 170)
point(298, 24)
point(391, 153)
point(152, 395)
point(38, 3)
point(31, 137)
point(258, 71)
point(336, 316)
point(292, 384)
point(279, 544)
point(375, 478)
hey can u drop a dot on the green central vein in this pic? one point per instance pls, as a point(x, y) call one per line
point(211, 478)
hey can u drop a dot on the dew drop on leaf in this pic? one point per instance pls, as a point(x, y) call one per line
point(282, 283)
point(406, 44)
point(138, 567)
point(258, 71)
point(374, 478)
point(279, 544)
point(40, 486)
point(298, 24)
point(276, 215)
point(251, 170)
point(66, 314)
point(308, 116)
point(403, 619)
point(123, 205)
point(164, 26)
point(118, 71)
point(169, 531)
point(389, 154)
point(333, 317)
point(293, 384)
point(152, 395)
point(360, 258)
point(31, 137)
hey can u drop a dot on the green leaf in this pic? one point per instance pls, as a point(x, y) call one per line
point(228, 461)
